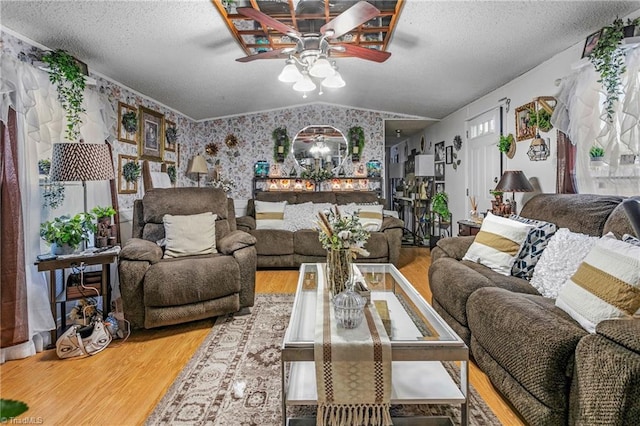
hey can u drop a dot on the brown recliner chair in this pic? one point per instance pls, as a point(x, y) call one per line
point(157, 291)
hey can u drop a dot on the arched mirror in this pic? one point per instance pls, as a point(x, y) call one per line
point(320, 147)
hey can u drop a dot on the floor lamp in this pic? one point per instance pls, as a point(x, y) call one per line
point(198, 166)
point(79, 161)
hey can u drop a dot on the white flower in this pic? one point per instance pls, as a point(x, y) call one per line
point(344, 235)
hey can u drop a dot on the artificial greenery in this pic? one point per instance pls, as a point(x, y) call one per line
point(44, 166)
point(130, 121)
point(52, 194)
point(10, 409)
point(495, 193)
point(106, 211)
point(505, 143)
point(541, 119)
point(356, 138)
point(67, 75)
point(280, 139)
point(608, 60)
point(317, 175)
point(68, 230)
point(131, 171)
point(596, 152)
point(440, 206)
point(171, 171)
point(171, 134)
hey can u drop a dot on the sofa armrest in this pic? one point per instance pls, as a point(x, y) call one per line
point(235, 240)
point(246, 223)
point(391, 223)
point(454, 247)
point(141, 250)
point(624, 332)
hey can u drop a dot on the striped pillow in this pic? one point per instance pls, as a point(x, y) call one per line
point(370, 216)
point(605, 286)
point(498, 243)
point(269, 215)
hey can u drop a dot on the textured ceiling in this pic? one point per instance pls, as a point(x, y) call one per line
point(444, 53)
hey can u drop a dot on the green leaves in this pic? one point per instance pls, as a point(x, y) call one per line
point(10, 409)
point(68, 230)
point(131, 171)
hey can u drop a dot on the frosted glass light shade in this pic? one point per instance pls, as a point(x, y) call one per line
point(290, 74)
point(321, 68)
point(334, 81)
point(305, 84)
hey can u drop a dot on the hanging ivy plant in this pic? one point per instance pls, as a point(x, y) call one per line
point(171, 134)
point(281, 144)
point(608, 59)
point(52, 194)
point(541, 119)
point(356, 142)
point(130, 121)
point(131, 171)
point(171, 171)
point(67, 75)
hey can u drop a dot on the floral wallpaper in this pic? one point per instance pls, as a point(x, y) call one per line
point(253, 131)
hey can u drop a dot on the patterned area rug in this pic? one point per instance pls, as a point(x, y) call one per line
point(246, 350)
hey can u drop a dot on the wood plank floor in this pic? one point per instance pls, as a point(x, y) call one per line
point(122, 385)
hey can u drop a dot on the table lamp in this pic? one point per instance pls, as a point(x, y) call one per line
point(199, 166)
point(514, 181)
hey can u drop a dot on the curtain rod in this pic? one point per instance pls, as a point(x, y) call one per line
point(501, 102)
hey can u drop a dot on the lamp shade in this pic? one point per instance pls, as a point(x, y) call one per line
point(514, 181)
point(425, 165)
point(198, 165)
point(77, 161)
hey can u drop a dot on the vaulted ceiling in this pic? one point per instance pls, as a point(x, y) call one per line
point(444, 53)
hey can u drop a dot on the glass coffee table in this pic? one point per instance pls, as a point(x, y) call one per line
point(420, 342)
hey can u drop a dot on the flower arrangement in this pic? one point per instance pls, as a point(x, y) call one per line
point(338, 232)
point(317, 175)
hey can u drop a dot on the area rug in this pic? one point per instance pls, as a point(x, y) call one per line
point(245, 350)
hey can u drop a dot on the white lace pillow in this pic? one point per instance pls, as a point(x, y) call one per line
point(299, 216)
point(560, 259)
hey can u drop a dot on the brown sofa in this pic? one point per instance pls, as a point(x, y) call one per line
point(158, 292)
point(544, 362)
point(278, 248)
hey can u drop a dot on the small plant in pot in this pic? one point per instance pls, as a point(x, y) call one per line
point(507, 145)
point(103, 214)
point(65, 233)
point(596, 154)
point(440, 206)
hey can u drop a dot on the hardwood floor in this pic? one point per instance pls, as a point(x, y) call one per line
point(122, 385)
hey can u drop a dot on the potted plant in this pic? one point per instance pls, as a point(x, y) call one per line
point(281, 144)
point(541, 119)
point(356, 142)
point(131, 171)
point(65, 233)
point(103, 215)
point(66, 74)
point(130, 121)
point(171, 171)
point(596, 154)
point(507, 145)
point(608, 60)
point(440, 206)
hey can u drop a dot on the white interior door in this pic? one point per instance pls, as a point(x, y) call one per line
point(484, 157)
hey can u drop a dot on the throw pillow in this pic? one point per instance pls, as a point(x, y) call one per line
point(189, 235)
point(299, 216)
point(605, 286)
point(498, 243)
point(559, 260)
point(348, 209)
point(370, 216)
point(627, 238)
point(533, 246)
point(269, 215)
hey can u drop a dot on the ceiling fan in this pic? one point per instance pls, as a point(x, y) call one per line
point(313, 46)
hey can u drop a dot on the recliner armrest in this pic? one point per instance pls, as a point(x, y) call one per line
point(391, 223)
point(235, 240)
point(624, 332)
point(246, 223)
point(143, 250)
point(455, 247)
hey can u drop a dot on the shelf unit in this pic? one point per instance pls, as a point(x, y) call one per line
point(307, 185)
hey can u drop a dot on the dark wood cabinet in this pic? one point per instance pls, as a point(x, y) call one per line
point(467, 228)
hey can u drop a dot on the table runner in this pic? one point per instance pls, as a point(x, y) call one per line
point(353, 368)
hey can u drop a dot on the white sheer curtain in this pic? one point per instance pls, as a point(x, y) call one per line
point(580, 114)
point(41, 123)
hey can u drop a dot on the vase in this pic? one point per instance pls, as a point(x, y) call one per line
point(61, 249)
point(338, 269)
point(349, 306)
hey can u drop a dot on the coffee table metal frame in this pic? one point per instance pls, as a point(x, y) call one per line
point(418, 376)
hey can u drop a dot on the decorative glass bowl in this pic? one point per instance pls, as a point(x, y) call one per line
point(348, 307)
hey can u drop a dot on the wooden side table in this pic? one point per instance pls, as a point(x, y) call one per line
point(66, 262)
point(467, 228)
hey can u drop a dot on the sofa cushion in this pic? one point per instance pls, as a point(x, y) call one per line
point(347, 197)
point(189, 235)
point(183, 201)
point(173, 282)
point(498, 243)
point(316, 197)
point(606, 284)
point(273, 241)
point(306, 242)
point(529, 337)
point(270, 215)
point(533, 246)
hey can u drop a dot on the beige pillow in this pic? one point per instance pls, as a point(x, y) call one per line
point(269, 215)
point(370, 216)
point(189, 235)
point(498, 243)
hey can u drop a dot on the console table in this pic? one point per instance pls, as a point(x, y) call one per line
point(467, 228)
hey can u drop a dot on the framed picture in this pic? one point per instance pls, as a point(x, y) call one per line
point(439, 187)
point(439, 170)
point(125, 187)
point(449, 154)
point(439, 151)
point(150, 134)
point(590, 43)
point(524, 130)
point(126, 131)
point(422, 145)
point(169, 137)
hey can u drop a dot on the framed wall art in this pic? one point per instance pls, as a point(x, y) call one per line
point(449, 154)
point(150, 134)
point(524, 129)
point(590, 43)
point(439, 151)
point(170, 136)
point(127, 123)
point(439, 170)
point(124, 186)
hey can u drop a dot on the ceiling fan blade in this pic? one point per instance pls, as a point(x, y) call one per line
point(271, 54)
point(268, 21)
point(351, 18)
point(364, 53)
